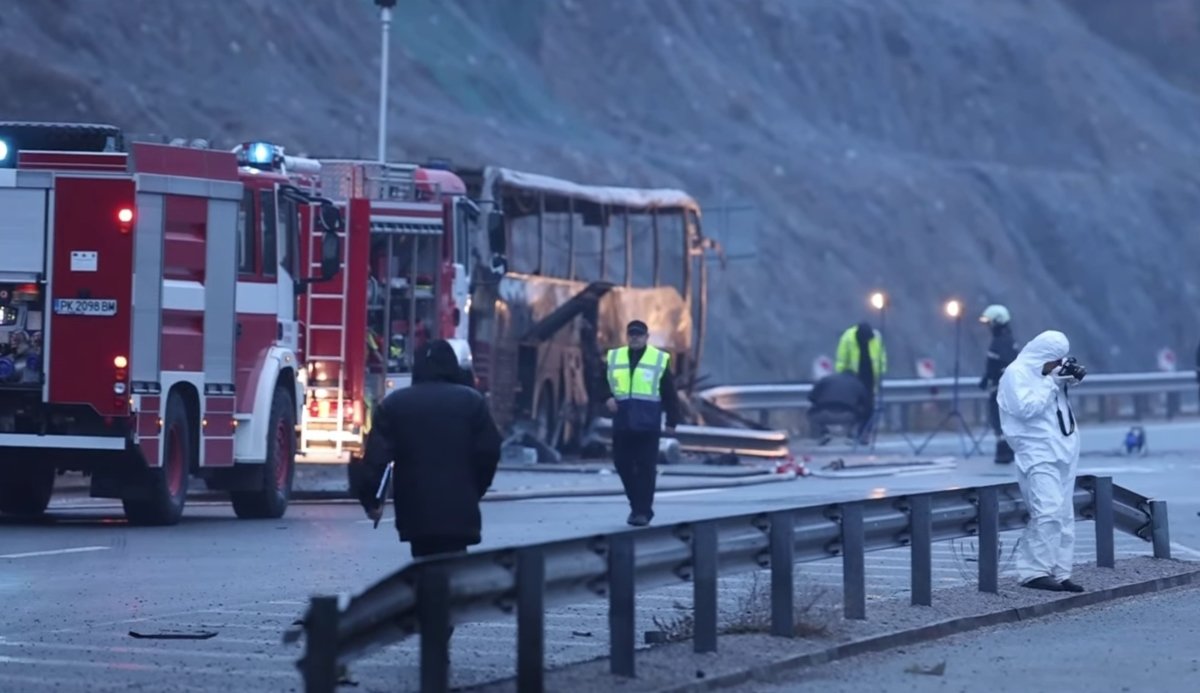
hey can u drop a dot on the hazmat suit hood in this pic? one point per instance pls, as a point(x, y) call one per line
point(1034, 410)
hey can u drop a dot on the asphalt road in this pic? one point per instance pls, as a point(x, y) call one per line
point(75, 587)
point(1155, 651)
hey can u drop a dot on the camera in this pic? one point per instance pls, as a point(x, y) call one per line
point(1071, 367)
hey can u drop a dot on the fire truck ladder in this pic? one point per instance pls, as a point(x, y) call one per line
point(332, 428)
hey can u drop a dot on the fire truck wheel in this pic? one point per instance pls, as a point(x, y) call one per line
point(271, 501)
point(168, 484)
point(25, 489)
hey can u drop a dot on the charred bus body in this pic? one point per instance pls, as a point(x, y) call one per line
point(566, 267)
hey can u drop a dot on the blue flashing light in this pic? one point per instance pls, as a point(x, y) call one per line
point(5, 150)
point(260, 153)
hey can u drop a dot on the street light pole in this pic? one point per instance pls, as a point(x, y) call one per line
point(385, 21)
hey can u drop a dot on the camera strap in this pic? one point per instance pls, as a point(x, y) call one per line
point(1062, 425)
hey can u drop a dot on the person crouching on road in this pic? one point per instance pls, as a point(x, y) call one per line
point(446, 448)
point(641, 389)
point(1036, 416)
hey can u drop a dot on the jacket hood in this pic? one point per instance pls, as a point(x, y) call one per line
point(1050, 345)
point(436, 361)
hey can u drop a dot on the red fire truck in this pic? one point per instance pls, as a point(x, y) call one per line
point(408, 230)
point(148, 315)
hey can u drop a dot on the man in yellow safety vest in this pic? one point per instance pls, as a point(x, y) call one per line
point(641, 390)
point(860, 351)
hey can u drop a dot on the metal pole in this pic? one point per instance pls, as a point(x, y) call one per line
point(621, 565)
point(921, 521)
point(320, 656)
point(433, 619)
point(385, 21)
point(1159, 529)
point(989, 539)
point(854, 586)
point(704, 584)
point(1103, 498)
point(783, 538)
point(531, 633)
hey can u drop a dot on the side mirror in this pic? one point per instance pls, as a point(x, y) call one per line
point(331, 255)
point(497, 238)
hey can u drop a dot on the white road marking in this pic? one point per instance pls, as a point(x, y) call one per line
point(56, 552)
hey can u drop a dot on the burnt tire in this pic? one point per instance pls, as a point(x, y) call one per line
point(271, 500)
point(25, 489)
point(168, 484)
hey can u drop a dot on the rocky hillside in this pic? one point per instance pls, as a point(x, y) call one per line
point(1040, 153)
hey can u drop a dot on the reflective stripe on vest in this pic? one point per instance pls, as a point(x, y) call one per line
point(646, 376)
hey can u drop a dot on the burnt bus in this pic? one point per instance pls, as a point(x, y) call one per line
point(560, 269)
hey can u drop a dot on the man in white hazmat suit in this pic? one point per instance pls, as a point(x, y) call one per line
point(1036, 417)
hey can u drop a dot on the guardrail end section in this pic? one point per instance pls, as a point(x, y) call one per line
point(1159, 529)
point(319, 663)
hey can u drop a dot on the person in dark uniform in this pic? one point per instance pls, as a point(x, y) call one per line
point(446, 448)
point(640, 390)
point(840, 398)
point(1001, 352)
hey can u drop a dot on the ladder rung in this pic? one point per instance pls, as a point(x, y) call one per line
point(325, 327)
point(335, 359)
point(328, 296)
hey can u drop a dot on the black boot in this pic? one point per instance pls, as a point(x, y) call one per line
point(1044, 582)
point(1068, 586)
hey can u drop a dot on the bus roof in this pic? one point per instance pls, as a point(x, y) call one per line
point(630, 198)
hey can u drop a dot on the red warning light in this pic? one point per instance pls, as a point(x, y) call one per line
point(125, 215)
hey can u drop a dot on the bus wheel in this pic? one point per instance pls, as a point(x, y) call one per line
point(271, 501)
point(25, 489)
point(168, 485)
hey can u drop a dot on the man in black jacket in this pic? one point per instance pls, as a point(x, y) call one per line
point(446, 448)
point(640, 389)
point(1001, 352)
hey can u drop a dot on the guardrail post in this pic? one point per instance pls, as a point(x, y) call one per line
point(531, 634)
point(920, 521)
point(989, 539)
point(783, 553)
point(320, 645)
point(621, 562)
point(1159, 529)
point(433, 619)
point(704, 585)
point(1102, 497)
point(854, 573)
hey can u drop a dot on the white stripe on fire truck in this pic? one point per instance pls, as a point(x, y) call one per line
point(254, 299)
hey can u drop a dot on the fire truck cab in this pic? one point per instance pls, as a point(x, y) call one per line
point(148, 301)
point(408, 230)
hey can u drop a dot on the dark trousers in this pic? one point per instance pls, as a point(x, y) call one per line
point(820, 418)
point(1004, 453)
point(422, 548)
point(635, 455)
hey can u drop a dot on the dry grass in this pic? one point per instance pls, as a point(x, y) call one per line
point(813, 614)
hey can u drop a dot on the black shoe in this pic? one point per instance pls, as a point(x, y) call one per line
point(1068, 586)
point(1044, 582)
point(632, 519)
point(639, 520)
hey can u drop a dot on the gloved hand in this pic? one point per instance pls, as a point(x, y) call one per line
point(1062, 380)
point(983, 383)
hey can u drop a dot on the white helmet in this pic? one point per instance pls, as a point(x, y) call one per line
point(995, 313)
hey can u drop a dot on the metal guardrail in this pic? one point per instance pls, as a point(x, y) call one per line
point(740, 398)
point(430, 595)
point(715, 440)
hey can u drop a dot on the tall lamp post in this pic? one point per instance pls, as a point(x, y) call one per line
point(385, 21)
point(954, 310)
point(879, 301)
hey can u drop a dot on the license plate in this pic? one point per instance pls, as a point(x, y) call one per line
point(85, 306)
